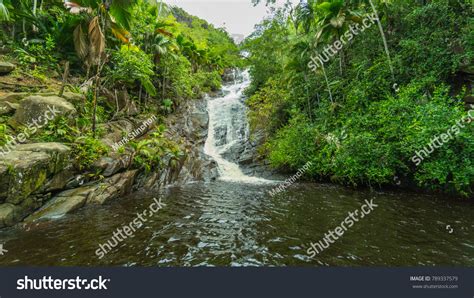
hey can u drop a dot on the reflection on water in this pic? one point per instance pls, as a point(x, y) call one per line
point(232, 224)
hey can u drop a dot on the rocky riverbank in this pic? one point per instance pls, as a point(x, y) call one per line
point(38, 180)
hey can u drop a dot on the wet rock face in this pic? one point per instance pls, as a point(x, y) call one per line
point(112, 188)
point(70, 200)
point(6, 68)
point(66, 202)
point(228, 75)
point(188, 127)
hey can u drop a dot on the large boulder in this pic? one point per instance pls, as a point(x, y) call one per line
point(6, 68)
point(39, 109)
point(112, 188)
point(64, 203)
point(26, 168)
point(70, 200)
point(11, 214)
point(74, 98)
point(7, 214)
point(110, 165)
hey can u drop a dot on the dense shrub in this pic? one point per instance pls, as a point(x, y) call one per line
point(375, 125)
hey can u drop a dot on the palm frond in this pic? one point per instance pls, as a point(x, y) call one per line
point(4, 14)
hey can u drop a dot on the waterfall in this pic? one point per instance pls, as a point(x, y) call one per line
point(228, 129)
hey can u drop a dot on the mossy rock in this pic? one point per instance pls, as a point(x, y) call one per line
point(37, 110)
point(6, 68)
point(27, 168)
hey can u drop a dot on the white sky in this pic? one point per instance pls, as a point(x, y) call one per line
point(237, 16)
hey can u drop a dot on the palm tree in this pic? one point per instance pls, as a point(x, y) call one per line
point(382, 34)
point(306, 17)
point(89, 36)
point(333, 20)
point(100, 16)
point(190, 50)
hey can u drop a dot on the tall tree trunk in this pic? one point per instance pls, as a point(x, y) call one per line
point(327, 83)
point(382, 34)
point(24, 30)
point(94, 103)
point(35, 6)
point(309, 100)
point(159, 11)
point(97, 81)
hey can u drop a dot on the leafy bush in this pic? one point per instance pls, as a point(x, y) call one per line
point(86, 150)
point(57, 130)
point(176, 77)
point(208, 81)
point(131, 65)
point(3, 134)
point(152, 152)
point(380, 143)
point(38, 54)
point(375, 123)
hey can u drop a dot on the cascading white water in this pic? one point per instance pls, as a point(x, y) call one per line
point(228, 127)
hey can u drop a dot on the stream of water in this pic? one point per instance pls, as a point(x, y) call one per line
point(235, 222)
point(228, 127)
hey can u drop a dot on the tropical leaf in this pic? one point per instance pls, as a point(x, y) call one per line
point(80, 42)
point(96, 41)
point(148, 85)
point(4, 14)
point(164, 32)
point(120, 33)
point(120, 11)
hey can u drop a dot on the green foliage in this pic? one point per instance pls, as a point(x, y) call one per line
point(130, 64)
point(3, 134)
point(39, 55)
point(373, 128)
point(86, 150)
point(4, 13)
point(208, 81)
point(176, 70)
point(57, 130)
point(155, 151)
point(266, 49)
point(267, 108)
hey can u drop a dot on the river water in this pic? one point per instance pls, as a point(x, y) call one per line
point(235, 222)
